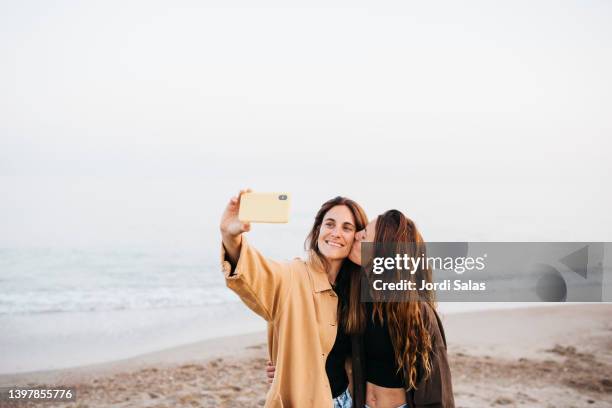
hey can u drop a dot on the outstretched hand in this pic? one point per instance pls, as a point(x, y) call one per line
point(231, 227)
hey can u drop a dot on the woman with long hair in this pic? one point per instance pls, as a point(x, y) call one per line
point(399, 338)
point(299, 299)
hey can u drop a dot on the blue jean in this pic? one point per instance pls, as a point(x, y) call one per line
point(343, 400)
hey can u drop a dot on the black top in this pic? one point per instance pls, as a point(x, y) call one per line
point(380, 365)
point(334, 366)
point(435, 390)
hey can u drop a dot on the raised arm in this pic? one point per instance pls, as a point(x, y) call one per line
point(261, 283)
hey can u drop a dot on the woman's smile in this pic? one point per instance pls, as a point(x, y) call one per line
point(334, 244)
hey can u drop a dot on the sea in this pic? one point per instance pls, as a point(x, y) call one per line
point(70, 306)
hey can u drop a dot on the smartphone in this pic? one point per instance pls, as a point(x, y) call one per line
point(264, 207)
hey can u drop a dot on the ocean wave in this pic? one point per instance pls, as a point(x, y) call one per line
point(34, 302)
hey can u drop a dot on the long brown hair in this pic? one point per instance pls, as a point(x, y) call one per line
point(312, 240)
point(408, 329)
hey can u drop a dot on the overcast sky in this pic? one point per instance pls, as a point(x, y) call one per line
point(123, 121)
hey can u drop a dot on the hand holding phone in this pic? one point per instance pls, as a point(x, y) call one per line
point(231, 227)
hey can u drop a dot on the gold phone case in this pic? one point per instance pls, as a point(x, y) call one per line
point(264, 207)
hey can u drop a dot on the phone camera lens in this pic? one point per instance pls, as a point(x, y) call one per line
point(282, 197)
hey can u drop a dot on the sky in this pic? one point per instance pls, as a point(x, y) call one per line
point(133, 122)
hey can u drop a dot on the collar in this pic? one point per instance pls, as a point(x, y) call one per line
point(320, 282)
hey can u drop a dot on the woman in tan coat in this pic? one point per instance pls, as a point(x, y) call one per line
point(298, 300)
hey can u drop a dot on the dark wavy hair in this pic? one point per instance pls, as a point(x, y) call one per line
point(410, 336)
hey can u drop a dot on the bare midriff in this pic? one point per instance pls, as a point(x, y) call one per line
point(383, 397)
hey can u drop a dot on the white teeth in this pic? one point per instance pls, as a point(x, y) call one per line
point(334, 244)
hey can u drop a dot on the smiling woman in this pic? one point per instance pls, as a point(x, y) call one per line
point(332, 235)
point(300, 300)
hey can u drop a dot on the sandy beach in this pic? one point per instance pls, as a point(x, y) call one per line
point(557, 356)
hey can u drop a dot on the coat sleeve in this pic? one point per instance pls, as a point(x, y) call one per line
point(262, 284)
point(435, 391)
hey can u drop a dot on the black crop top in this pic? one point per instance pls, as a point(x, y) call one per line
point(380, 365)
